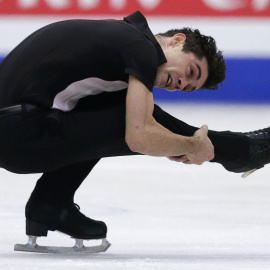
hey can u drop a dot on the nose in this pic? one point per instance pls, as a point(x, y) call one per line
point(181, 84)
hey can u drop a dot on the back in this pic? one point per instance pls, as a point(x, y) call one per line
point(55, 56)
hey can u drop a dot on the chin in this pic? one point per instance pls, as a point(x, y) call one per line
point(171, 90)
point(168, 90)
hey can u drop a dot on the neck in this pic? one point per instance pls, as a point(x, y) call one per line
point(163, 40)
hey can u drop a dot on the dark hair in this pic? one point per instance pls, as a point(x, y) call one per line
point(203, 46)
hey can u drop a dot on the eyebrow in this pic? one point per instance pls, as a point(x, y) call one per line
point(200, 72)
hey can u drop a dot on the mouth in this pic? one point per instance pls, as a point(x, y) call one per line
point(169, 81)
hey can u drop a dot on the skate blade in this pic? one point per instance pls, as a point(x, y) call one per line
point(248, 173)
point(79, 248)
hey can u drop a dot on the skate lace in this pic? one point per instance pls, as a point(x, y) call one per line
point(259, 134)
point(261, 145)
point(78, 213)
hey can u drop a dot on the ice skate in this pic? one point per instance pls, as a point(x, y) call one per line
point(259, 150)
point(42, 217)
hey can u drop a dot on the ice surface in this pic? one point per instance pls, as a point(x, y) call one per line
point(160, 214)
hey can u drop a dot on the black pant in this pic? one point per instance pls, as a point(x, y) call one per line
point(65, 146)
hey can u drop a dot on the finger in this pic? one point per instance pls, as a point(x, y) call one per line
point(178, 159)
point(189, 162)
point(183, 159)
point(204, 127)
point(201, 131)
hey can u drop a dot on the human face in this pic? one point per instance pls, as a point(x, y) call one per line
point(183, 71)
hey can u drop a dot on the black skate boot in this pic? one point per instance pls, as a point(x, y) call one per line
point(259, 149)
point(259, 153)
point(41, 217)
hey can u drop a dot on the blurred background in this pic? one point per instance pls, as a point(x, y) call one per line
point(240, 27)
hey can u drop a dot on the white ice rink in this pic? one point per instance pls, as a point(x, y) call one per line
point(160, 214)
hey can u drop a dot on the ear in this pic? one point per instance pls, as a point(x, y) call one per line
point(178, 39)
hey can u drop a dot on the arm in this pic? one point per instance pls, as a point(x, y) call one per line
point(144, 135)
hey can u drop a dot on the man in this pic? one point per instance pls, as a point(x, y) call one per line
point(65, 105)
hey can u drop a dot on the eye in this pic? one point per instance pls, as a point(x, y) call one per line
point(191, 72)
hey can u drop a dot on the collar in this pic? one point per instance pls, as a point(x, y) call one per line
point(140, 22)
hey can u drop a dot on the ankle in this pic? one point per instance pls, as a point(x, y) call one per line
point(55, 201)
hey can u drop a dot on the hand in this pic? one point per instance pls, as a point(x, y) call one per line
point(202, 149)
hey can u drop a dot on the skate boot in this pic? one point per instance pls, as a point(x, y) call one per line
point(259, 149)
point(259, 153)
point(42, 217)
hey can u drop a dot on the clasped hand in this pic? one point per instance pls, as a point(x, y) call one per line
point(202, 148)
